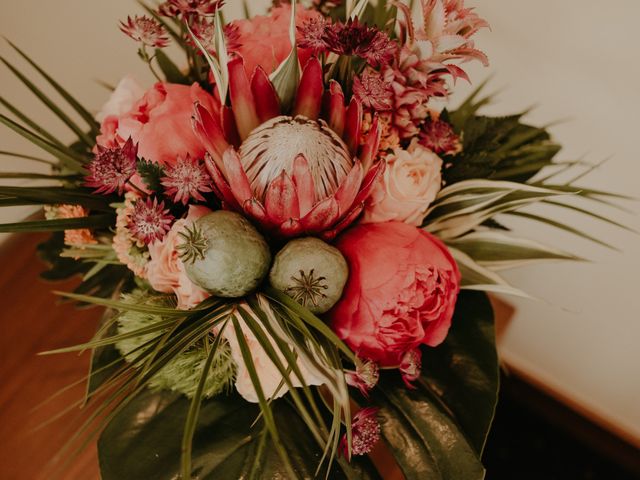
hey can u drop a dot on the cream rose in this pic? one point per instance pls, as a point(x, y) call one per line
point(409, 184)
point(165, 270)
point(127, 92)
point(270, 376)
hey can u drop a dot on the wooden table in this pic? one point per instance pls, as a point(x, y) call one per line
point(32, 321)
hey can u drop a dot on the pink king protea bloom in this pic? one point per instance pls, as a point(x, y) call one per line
point(296, 174)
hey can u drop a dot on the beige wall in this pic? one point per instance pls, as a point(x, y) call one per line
point(576, 59)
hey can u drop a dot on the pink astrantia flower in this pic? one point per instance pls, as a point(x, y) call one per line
point(129, 250)
point(373, 90)
point(146, 31)
point(351, 38)
point(150, 221)
point(439, 137)
point(175, 8)
point(186, 179)
point(365, 433)
point(364, 377)
point(410, 366)
point(112, 167)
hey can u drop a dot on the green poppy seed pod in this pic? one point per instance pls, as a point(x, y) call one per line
point(224, 254)
point(311, 272)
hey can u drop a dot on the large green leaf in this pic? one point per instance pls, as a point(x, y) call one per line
point(143, 441)
point(436, 431)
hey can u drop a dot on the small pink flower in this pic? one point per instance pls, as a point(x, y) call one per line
point(112, 167)
point(146, 31)
point(365, 433)
point(78, 238)
point(355, 38)
point(186, 179)
point(410, 366)
point(150, 221)
point(312, 33)
point(175, 8)
point(439, 137)
point(128, 250)
point(364, 378)
point(373, 90)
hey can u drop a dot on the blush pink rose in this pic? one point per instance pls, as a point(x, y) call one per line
point(160, 123)
point(126, 94)
point(165, 270)
point(264, 39)
point(410, 182)
point(401, 293)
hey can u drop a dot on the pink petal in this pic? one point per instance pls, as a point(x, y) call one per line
point(334, 110)
point(208, 130)
point(242, 102)
point(369, 182)
point(348, 190)
point(322, 216)
point(329, 235)
point(266, 98)
point(370, 148)
point(222, 190)
point(236, 176)
point(229, 127)
point(255, 209)
point(353, 125)
point(310, 90)
point(291, 227)
point(281, 199)
point(304, 184)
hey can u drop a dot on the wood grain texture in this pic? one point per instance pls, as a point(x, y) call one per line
point(32, 320)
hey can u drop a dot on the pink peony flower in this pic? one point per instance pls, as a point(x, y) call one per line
point(166, 272)
point(160, 123)
point(127, 92)
point(264, 39)
point(401, 293)
point(410, 182)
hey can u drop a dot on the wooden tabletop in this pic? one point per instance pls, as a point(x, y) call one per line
point(31, 321)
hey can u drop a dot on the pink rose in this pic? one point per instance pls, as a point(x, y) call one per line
point(160, 122)
point(264, 39)
point(402, 290)
point(165, 270)
point(411, 181)
point(127, 93)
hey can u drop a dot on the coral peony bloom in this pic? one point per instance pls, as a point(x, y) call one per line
point(402, 289)
point(264, 39)
point(166, 272)
point(126, 94)
point(160, 123)
point(408, 185)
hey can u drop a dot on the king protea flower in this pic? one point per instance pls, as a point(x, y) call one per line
point(299, 174)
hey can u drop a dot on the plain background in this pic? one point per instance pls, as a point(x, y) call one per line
point(575, 60)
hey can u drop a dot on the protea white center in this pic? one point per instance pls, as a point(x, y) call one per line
point(273, 146)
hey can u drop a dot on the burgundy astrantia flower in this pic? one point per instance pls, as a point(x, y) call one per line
point(351, 38)
point(364, 377)
point(365, 432)
point(373, 91)
point(187, 8)
point(145, 30)
point(149, 221)
point(111, 168)
point(205, 30)
point(410, 366)
point(439, 137)
point(186, 179)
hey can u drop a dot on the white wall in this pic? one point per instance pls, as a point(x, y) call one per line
point(575, 59)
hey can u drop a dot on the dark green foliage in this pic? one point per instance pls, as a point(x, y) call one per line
point(499, 148)
point(151, 174)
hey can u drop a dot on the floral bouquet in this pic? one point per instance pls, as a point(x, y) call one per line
point(293, 234)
